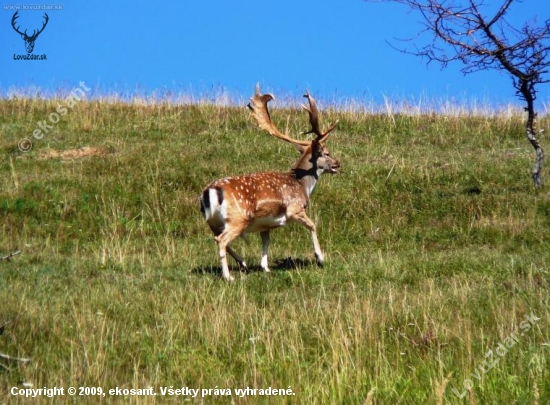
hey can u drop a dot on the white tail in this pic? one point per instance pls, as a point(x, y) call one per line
point(260, 202)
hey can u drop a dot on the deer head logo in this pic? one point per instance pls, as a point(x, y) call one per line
point(29, 40)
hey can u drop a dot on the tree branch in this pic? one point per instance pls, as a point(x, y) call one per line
point(10, 358)
point(8, 257)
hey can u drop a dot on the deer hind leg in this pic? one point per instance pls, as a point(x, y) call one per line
point(302, 218)
point(265, 248)
point(230, 233)
point(240, 261)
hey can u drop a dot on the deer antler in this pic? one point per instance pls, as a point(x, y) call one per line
point(260, 112)
point(43, 25)
point(15, 17)
point(314, 120)
point(34, 34)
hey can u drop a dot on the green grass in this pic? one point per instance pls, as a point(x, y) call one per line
point(436, 247)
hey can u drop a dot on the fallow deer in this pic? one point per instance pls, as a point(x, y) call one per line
point(260, 202)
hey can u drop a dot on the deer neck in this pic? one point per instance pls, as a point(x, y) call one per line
point(307, 175)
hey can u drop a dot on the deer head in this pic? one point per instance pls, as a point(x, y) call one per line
point(29, 40)
point(315, 155)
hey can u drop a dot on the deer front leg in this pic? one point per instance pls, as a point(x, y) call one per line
point(265, 248)
point(319, 257)
point(302, 218)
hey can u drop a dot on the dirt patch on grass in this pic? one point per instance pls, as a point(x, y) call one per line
point(70, 154)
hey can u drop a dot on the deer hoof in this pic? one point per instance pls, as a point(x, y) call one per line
point(319, 260)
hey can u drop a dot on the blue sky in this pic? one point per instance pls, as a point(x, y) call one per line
point(335, 48)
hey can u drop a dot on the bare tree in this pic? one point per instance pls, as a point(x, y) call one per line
point(483, 38)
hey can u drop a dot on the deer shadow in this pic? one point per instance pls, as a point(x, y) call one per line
point(286, 264)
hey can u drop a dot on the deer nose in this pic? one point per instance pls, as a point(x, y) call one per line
point(334, 167)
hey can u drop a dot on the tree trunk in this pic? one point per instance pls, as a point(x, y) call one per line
point(532, 131)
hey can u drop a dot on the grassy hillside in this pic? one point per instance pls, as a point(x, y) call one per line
point(436, 246)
